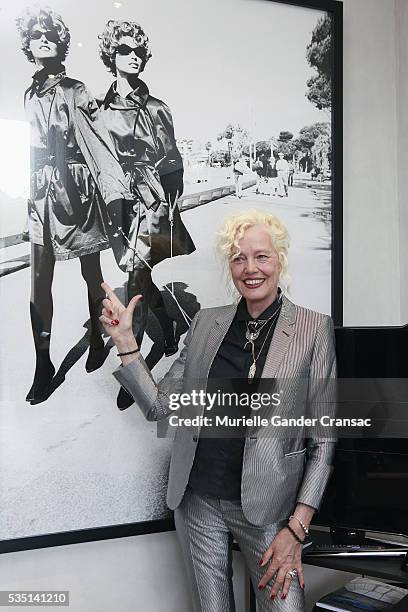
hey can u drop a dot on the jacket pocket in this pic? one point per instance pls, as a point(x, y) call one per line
point(295, 453)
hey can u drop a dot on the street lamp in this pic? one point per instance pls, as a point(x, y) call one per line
point(230, 151)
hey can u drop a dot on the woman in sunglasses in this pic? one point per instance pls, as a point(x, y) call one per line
point(73, 170)
point(141, 127)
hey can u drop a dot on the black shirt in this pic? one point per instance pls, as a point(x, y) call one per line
point(217, 466)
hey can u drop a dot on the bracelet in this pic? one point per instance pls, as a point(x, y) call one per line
point(128, 353)
point(301, 523)
point(295, 535)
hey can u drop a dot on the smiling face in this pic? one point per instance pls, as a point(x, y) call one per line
point(43, 43)
point(127, 57)
point(256, 269)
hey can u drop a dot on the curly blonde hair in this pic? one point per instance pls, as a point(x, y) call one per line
point(113, 32)
point(47, 19)
point(228, 237)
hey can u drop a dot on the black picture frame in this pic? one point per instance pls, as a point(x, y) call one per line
point(335, 9)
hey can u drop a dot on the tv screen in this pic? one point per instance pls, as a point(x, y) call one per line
point(369, 486)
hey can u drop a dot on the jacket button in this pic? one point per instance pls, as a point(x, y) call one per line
point(195, 438)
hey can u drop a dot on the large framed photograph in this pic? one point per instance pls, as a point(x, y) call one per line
point(128, 133)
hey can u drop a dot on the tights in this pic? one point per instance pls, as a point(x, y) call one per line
point(41, 303)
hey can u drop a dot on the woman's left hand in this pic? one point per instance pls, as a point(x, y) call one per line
point(285, 555)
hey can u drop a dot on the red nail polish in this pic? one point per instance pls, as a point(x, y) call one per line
point(116, 321)
point(260, 562)
point(110, 312)
point(283, 596)
point(273, 596)
point(261, 587)
point(302, 586)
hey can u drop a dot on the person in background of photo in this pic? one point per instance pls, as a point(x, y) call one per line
point(291, 173)
point(305, 163)
point(264, 173)
point(240, 169)
point(282, 168)
point(258, 168)
point(260, 489)
point(273, 180)
point(141, 127)
point(73, 172)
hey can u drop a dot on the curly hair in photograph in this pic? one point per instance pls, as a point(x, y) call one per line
point(110, 37)
point(47, 19)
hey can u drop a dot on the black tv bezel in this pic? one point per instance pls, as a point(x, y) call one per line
point(357, 526)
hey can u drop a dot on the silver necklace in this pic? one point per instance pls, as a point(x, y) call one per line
point(254, 335)
point(251, 336)
point(252, 369)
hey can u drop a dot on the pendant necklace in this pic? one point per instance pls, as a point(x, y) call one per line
point(252, 369)
point(251, 337)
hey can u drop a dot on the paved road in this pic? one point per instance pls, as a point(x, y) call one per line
point(309, 258)
point(75, 461)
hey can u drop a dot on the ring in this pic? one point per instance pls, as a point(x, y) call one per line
point(292, 573)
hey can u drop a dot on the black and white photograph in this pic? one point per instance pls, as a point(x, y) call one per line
point(129, 132)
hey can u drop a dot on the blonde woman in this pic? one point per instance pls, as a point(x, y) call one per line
point(258, 489)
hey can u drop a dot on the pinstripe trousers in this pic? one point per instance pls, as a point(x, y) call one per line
point(206, 527)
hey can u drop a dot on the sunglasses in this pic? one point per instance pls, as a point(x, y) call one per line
point(50, 35)
point(126, 50)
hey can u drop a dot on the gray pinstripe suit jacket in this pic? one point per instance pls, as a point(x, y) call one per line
point(277, 473)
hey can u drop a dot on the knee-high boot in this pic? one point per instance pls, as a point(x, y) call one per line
point(167, 324)
point(92, 274)
point(44, 368)
point(139, 281)
point(97, 351)
point(41, 311)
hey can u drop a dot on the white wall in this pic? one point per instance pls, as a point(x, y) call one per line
point(371, 213)
point(127, 575)
point(402, 105)
point(146, 572)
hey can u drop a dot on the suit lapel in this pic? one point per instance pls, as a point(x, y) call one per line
point(215, 337)
point(281, 339)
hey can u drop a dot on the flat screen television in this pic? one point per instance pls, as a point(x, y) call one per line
point(368, 490)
